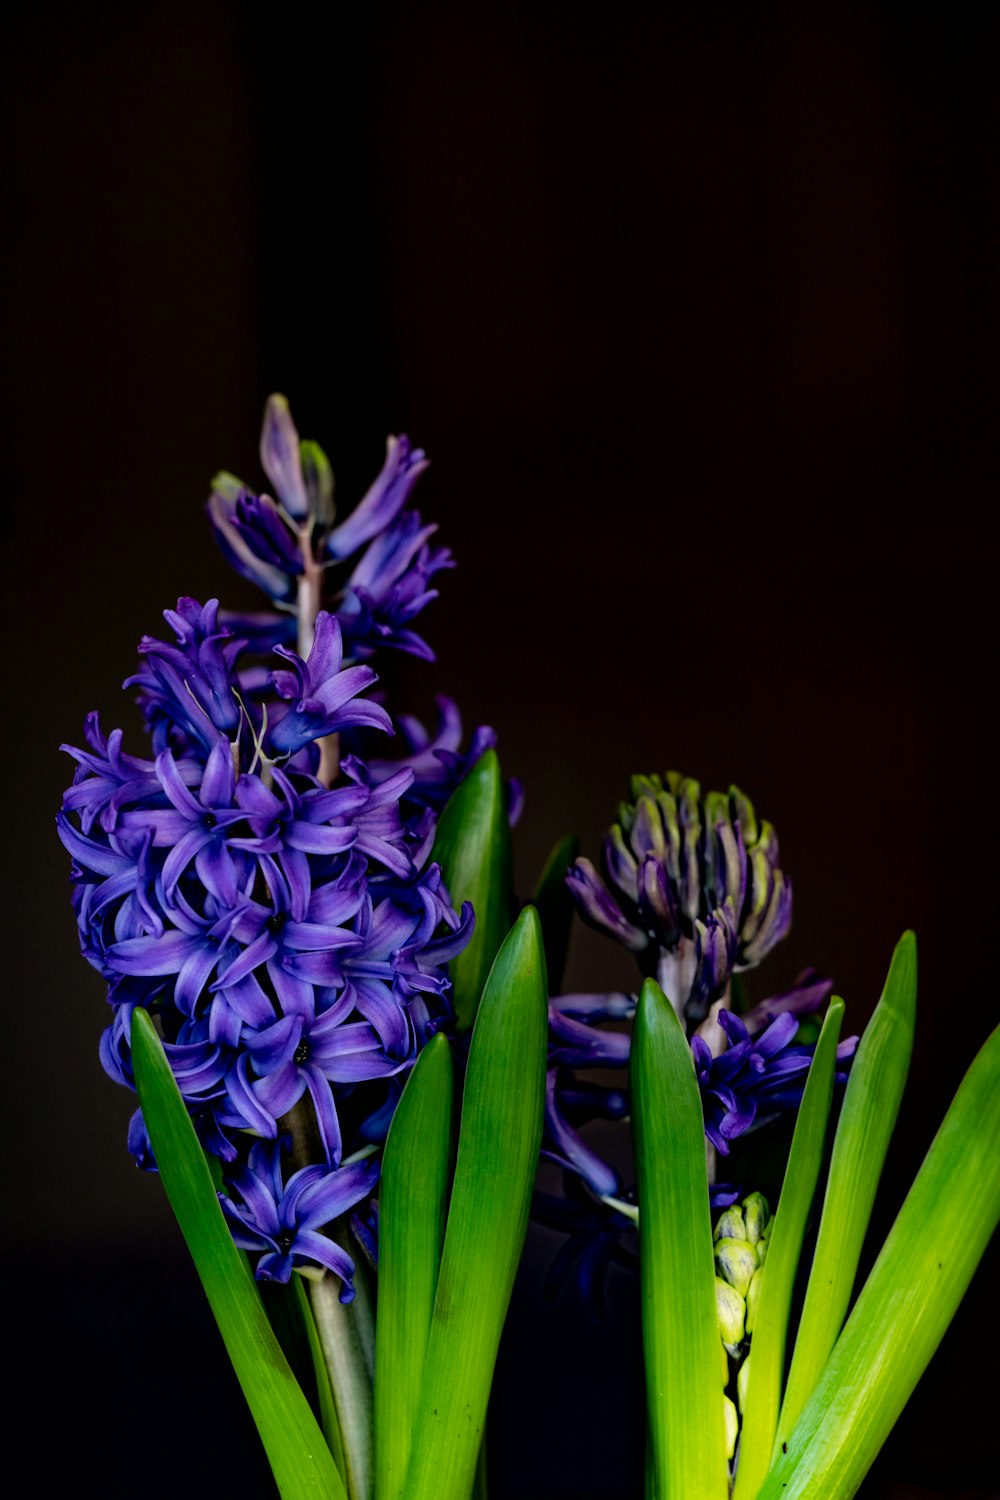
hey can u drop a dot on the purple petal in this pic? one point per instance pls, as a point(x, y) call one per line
point(280, 458)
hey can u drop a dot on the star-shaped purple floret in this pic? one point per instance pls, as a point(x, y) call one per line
point(322, 693)
point(284, 1221)
point(754, 1075)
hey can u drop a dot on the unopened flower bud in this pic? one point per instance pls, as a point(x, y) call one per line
point(756, 1215)
point(732, 1426)
point(731, 1225)
point(742, 1381)
point(762, 1244)
point(725, 1364)
point(732, 1312)
point(736, 1262)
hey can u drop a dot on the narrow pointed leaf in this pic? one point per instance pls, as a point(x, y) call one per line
point(767, 1357)
point(905, 1306)
point(498, 1143)
point(871, 1104)
point(413, 1205)
point(680, 1331)
point(295, 1446)
point(473, 848)
point(554, 905)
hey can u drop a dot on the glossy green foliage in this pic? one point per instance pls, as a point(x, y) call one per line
point(413, 1207)
point(767, 1357)
point(913, 1292)
point(499, 1138)
point(295, 1446)
point(473, 848)
point(679, 1321)
point(871, 1104)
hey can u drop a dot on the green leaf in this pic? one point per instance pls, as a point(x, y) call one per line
point(871, 1104)
point(554, 905)
point(911, 1296)
point(298, 1454)
point(680, 1331)
point(473, 848)
point(767, 1353)
point(413, 1207)
point(499, 1138)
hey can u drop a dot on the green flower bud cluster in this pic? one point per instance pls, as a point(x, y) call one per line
point(711, 851)
point(741, 1235)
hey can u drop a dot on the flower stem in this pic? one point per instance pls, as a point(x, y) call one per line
point(675, 970)
point(347, 1335)
point(308, 605)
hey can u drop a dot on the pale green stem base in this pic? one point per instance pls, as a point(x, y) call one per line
point(347, 1335)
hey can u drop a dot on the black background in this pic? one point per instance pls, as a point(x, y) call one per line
point(695, 309)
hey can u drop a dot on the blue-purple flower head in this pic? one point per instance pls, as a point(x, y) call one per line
point(754, 1077)
point(687, 875)
point(376, 565)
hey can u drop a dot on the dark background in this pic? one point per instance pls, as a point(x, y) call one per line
point(695, 309)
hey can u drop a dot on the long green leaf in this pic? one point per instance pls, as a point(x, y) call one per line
point(499, 1137)
point(905, 1306)
point(289, 1314)
point(473, 848)
point(298, 1454)
point(767, 1351)
point(871, 1104)
point(413, 1206)
point(680, 1330)
point(554, 905)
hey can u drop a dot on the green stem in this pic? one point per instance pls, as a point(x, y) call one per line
point(346, 1333)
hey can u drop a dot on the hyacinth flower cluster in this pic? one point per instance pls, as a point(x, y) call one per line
point(260, 880)
point(267, 892)
point(691, 885)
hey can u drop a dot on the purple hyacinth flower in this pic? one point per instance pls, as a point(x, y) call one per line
point(322, 693)
point(189, 686)
point(754, 1075)
point(384, 500)
point(563, 1144)
point(310, 1050)
point(599, 909)
point(285, 1221)
point(273, 940)
point(389, 587)
point(106, 778)
point(807, 995)
point(281, 457)
point(238, 544)
point(691, 886)
point(196, 825)
point(267, 534)
point(438, 763)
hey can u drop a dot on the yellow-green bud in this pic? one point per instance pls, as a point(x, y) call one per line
point(756, 1215)
point(742, 1380)
point(736, 1261)
point(753, 1298)
point(732, 1426)
point(732, 1311)
point(725, 1365)
point(731, 1226)
point(762, 1247)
